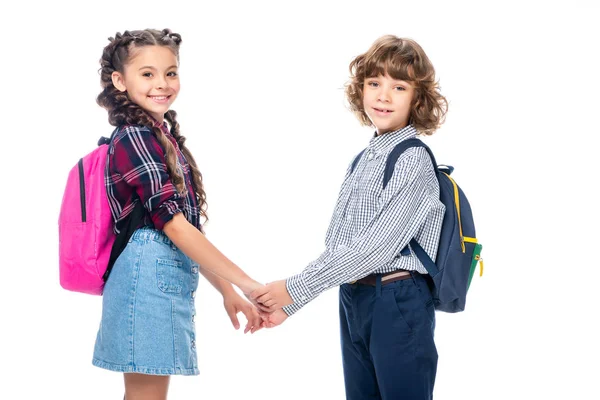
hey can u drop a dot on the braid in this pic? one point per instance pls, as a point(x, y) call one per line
point(123, 111)
point(175, 37)
point(171, 117)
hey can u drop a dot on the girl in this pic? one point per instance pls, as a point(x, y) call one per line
point(147, 327)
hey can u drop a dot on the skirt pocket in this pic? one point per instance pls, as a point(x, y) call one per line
point(169, 275)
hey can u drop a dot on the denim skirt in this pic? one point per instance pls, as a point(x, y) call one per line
point(148, 311)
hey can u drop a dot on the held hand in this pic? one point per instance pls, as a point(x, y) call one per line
point(248, 286)
point(271, 320)
point(272, 296)
point(234, 304)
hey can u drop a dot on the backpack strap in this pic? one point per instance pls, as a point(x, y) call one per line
point(356, 159)
point(400, 148)
point(427, 262)
point(129, 224)
point(105, 140)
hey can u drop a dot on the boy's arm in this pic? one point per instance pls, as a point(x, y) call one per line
point(404, 208)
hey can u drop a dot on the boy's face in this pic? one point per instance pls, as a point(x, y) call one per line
point(387, 102)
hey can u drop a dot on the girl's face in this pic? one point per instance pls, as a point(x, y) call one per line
point(387, 102)
point(150, 79)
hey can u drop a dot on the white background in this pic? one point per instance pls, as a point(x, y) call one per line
point(263, 109)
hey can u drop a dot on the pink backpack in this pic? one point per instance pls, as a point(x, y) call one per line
point(87, 245)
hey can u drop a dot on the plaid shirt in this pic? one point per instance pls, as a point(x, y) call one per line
point(136, 170)
point(370, 225)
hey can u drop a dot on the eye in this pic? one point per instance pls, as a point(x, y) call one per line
point(147, 74)
point(399, 88)
point(373, 84)
point(172, 73)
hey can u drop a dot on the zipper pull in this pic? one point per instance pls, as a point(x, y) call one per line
point(478, 258)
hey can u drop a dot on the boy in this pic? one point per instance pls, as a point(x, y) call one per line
point(387, 314)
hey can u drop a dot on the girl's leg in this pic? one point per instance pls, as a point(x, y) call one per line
point(146, 387)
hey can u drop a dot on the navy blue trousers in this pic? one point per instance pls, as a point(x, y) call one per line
point(388, 350)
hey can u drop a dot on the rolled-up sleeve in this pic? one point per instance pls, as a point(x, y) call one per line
point(139, 159)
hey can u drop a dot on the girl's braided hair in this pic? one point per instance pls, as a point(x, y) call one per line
point(123, 111)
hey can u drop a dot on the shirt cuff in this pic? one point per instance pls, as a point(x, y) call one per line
point(298, 289)
point(299, 292)
point(291, 309)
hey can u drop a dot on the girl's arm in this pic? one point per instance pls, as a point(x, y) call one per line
point(234, 303)
point(138, 158)
point(222, 286)
point(196, 246)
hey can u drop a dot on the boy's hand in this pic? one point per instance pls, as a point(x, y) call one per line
point(234, 304)
point(273, 319)
point(272, 296)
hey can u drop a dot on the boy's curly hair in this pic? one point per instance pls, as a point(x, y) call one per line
point(401, 59)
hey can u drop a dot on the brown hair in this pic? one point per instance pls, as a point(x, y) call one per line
point(123, 111)
point(401, 59)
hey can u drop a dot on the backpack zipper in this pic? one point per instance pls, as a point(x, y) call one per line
point(457, 202)
point(82, 190)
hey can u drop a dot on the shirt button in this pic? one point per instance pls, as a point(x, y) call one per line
point(303, 298)
point(195, 270)
point(370, 156)
point(193, 294)
point(194, 318)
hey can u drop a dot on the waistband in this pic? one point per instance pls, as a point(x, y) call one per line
point(386, 278)
point(146, 233)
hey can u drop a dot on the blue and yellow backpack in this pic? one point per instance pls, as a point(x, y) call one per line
point(459, 253)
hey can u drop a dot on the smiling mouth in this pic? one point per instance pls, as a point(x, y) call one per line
point(161, 100)
point(381, 110)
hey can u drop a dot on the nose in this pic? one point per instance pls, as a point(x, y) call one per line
point(161, 82)
point(383, 95)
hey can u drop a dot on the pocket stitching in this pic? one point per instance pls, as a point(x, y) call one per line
point(395, 294)
point(428, 305)
point(169, 282)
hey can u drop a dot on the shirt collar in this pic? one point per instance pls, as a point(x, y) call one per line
point(163, 127)
point(382, 142)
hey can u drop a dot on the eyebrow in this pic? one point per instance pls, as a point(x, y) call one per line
point(394, 80)
point(151, 67)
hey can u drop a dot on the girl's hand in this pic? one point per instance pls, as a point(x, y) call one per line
point(234, 303)
point(272, 296)
point(248, 286)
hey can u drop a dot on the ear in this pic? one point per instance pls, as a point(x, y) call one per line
point(118, 81)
